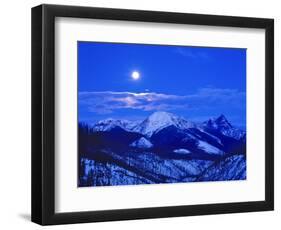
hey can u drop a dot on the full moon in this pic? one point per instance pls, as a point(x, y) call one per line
point(135, 75)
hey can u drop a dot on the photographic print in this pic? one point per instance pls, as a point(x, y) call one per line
point(120, 110)
point(153, 114)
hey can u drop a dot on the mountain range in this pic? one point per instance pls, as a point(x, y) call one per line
point(163, 148)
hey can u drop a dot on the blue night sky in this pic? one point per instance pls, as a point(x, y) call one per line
point(193, 82)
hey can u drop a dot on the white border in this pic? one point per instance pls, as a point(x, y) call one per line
point(69, 198)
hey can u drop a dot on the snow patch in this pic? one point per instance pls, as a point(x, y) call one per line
point(182, 151)
point(142, 143)
point(209, 148)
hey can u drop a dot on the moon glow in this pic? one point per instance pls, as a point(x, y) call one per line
point(135, 75)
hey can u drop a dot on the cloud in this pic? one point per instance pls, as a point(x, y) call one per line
point(218, 96)
point(190, 53)
point(106, 102)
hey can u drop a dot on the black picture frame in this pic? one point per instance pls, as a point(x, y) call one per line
point(43, 114)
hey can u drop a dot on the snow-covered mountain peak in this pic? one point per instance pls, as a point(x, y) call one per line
point(218, 123)
point(160, 120)
point(222, 125)
point(110, 123)
point(161, 115)
point(222, 121)
point(107, 121)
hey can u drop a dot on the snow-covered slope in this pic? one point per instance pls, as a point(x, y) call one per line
point(231, 168)
point(160, 120)
point(149, 168)
point(142, 143)
point(210, 149)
